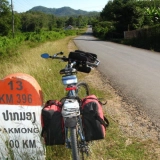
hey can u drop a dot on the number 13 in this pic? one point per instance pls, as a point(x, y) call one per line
point(19, 85)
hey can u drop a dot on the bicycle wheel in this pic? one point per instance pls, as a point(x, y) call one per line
point(74, 144)
point(82, 90)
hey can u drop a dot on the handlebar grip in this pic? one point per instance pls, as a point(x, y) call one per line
point(95, 64)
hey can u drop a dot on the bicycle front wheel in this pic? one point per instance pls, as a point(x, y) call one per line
point(74, 144)
point(82, 90)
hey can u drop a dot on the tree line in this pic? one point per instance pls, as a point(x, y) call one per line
point(122, 15)
point(32, 28)
point(36, 21)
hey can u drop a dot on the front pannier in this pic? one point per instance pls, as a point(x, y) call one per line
point(52, 123)
point(93, 119)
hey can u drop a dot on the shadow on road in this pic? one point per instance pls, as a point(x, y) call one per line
point(86, 39)
point(87, 36)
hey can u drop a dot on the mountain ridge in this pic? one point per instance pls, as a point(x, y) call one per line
point(63, 11)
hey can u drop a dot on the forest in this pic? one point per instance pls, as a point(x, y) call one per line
point(34, 27)
point(116, 17)
point(35, 21)
point(122, 15)
point(127, 15)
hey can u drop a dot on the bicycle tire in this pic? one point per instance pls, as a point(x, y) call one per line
point(74, 144)
point(82, 89)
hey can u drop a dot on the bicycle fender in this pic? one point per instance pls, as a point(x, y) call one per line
point(70, 122)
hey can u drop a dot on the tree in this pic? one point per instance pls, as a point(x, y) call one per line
point(52, 22)
point(152, 16)
point(34, 21)
point(79, 21)
point(5, 18)
point(126, 14)
point(132, 16)
point(103, 29)
point(60, 22)
point(71, 21)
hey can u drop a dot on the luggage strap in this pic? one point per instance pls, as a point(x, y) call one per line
point(95, 99)
point(104, 122)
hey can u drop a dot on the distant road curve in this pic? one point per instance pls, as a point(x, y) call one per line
point(132, 71)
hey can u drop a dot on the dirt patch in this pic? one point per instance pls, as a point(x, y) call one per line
point(132, 122)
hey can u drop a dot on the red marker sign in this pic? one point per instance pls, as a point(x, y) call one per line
point(20, 117)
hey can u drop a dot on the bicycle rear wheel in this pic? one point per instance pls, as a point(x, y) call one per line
point(82, 89)
point(74, 144)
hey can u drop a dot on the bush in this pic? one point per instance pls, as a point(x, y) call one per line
point(103, 29)
point(9, 46)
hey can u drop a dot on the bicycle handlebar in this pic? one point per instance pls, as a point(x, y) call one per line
point(65, 59)
point(55, 56)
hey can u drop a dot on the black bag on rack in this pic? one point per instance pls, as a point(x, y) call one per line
point(82, 56)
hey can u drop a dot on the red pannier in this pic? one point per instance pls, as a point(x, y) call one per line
point(93, 119)
point(52, 123)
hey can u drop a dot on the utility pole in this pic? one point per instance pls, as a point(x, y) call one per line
point(12, 19)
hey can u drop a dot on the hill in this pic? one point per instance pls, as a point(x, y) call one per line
point(64, 11)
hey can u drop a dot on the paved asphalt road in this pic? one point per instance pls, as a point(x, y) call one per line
point(134, 72)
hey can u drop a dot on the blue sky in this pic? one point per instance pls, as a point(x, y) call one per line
point(87, 5)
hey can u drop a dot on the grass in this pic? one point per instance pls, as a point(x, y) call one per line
point(115, 146)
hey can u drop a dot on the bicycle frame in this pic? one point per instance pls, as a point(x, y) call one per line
point(76, 120)
point(74, 134)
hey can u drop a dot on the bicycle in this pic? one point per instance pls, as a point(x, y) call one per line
point(74, 134)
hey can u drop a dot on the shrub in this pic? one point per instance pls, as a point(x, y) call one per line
point(8, 46)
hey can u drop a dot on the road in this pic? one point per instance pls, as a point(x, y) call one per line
point(133, 72)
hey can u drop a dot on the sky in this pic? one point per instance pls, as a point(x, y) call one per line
point(86, 5)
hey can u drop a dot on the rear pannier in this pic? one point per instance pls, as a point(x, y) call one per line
point(52, 123)
point(93, 119)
